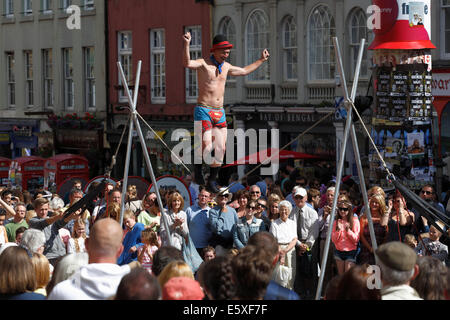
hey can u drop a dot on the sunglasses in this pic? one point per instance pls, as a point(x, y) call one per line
point(426, 192)
point(251, 207)
point(255, 192)
point(343, 209)
point(261, 205)
point(298, 197)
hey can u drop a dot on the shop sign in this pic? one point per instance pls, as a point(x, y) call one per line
point(441, 84)
point(290, 117)
point(78, 139)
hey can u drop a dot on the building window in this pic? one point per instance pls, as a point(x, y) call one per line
point(445, 29)
point(46, 6)
point(48, 77)
point(28, 55)
point(195, 51)
point(88, 4)
point(226, 27)
point(68, 78)
point(27, 7)
point(10, 62)
point(257, 39)
point(9, 8)
point(321, 58)
point(125, 55)
point(158, 66)
point(65, 4)
point(357, 31)
point(289, 49)
point(89, 77)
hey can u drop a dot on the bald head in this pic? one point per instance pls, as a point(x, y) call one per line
point(105, 241)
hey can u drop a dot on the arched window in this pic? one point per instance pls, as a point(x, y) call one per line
point(357, 27)
point(226, 27)
point(257, 39)
point(289, 48)
point(321, 56)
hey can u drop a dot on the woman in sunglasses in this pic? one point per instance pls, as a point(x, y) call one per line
point(247, 226)
point(345, 235)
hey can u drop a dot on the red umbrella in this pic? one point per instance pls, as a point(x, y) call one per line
point(261, 156)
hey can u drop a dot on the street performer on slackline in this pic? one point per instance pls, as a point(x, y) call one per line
point(212, 74)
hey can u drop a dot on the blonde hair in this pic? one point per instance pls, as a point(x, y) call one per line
point(410, 240)
point(42, 269)
point(113, 211)
point(175, 196)
point(382, 203)
point(174, 269)
point(75, 237)
point(30, 214)
point(128, 214)
point(132, 192)
point(376, 190)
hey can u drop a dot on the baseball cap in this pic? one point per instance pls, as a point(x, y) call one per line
point(182, 288)
point(300, 192)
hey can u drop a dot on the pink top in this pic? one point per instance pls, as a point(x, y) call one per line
point(346, 240)
point(147, 262)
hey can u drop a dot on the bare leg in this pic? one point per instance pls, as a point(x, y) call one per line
point(348, 265)
point(340, 266)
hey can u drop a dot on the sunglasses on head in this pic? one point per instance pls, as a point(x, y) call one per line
point(343, 209)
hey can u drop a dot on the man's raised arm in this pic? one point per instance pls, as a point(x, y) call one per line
point(238, 71)
point(187, 62)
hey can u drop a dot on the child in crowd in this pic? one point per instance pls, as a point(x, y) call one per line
point(411, 241)
point(146, 252)
point(77, 241)
point(209, 253)
point(432, 246)
point(19, 234)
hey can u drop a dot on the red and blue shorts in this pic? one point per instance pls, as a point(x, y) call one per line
point(210, 116)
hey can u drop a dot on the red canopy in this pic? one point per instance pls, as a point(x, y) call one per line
point(261, 156)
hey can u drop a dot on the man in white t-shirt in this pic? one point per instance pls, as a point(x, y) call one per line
point(100, 278)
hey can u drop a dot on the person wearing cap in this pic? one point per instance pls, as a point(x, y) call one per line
point(222, 218)
point(307, 222)
point(398, 264)
point(212, 74)
point(182, 288)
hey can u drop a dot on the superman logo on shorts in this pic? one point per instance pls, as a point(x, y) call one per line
point(210, 117)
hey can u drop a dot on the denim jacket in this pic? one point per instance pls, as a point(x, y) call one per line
point(242, 231)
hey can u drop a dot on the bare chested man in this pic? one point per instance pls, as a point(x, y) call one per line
point(212, 74)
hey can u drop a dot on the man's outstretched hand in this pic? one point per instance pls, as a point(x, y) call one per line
point(187, 37)
point(265, 55)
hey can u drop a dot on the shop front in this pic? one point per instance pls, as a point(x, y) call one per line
point(319, 141)
point(86, 143)
point(18, 137)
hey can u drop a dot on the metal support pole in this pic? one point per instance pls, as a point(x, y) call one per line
point(134, 120)
point(349, 128)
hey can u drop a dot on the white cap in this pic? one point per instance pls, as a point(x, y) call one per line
point(300, 192)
